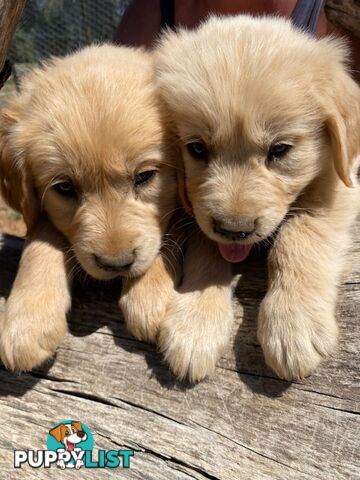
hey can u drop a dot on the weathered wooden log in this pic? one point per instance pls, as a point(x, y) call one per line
point(10, 13)
point(243, 423)
point(344, 14)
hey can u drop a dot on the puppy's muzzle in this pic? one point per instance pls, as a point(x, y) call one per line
point(120, 263)
point(235, 230)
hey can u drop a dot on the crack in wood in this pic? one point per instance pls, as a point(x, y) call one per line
point(53, 378)
point(177, 461)
point(150, 410)
point(330, 395)
point(169, 460)
point(249, 448)
point(98, 399)
point(351, 412)
point(85, 396)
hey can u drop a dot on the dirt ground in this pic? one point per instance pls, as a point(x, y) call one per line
point(11, 222)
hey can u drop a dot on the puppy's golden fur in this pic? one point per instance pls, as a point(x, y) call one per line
point(77, 146)
point(239, 86)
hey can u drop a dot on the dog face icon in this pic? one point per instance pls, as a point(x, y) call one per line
point(69, 434)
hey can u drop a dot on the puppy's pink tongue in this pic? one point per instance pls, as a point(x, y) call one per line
point(233, 252)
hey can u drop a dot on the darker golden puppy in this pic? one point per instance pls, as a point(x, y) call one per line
point(86, 157)
point(268, 119)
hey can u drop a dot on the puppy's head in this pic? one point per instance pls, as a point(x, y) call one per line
point(262, 111)
point(86, 142)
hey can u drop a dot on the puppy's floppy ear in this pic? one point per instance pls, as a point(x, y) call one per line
point(15, 182)
point(341, 102)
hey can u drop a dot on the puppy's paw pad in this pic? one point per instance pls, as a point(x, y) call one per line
point(23, 357)
point(295, 344)
point(142, 320)
point(186, 360)
point(187, 357)
point(22, 349)
point(192, 340)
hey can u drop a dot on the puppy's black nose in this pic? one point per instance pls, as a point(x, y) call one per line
point(81, 433)
point(239, 229)
point(119, 263)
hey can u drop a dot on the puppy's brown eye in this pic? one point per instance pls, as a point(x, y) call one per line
point(278, 151)
point(144, 177)
point(65, 189)
point(198, 150)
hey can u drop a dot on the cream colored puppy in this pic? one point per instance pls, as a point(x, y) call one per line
point(268, 119)
point(86, 157)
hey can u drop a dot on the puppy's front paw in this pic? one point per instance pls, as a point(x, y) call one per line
point(144, 300)
point(194, 334)
point(28, 339)
point(295, 338)
point(143, 313)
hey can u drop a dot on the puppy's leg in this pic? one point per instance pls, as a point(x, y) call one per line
point(34, 321)
point(296, 325)
point(198, 323)
point(144, 300)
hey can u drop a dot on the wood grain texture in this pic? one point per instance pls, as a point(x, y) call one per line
point(10, 13)
point(244, 423)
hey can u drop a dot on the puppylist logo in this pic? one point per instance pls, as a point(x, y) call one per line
point(70, 444)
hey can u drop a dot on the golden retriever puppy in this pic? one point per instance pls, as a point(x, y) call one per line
point(86, 157)
point(268, 120)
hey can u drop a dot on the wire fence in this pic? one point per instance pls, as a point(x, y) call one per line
point(57, 27)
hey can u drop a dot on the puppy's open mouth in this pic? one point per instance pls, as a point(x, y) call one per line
point(233, 252)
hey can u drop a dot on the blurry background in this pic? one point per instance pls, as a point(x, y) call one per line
point(57, 27)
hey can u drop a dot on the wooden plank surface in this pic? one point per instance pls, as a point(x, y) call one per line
point(244, 423)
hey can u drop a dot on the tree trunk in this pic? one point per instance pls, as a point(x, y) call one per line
point(10, 13)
